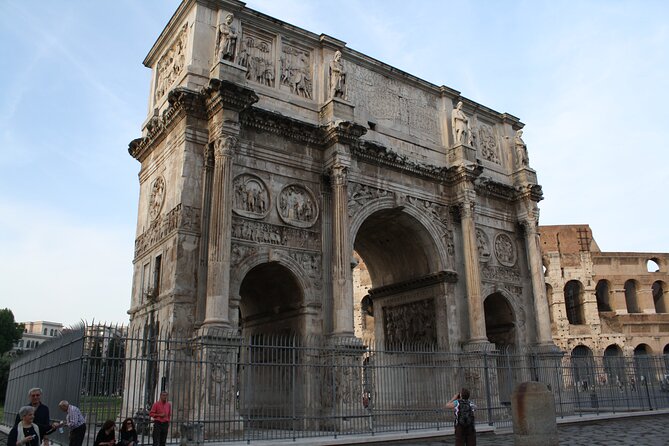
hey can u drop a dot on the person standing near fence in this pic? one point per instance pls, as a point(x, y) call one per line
point(465, 430)
point(75, 421)
point(42, 418)
point(161, 412)
point(26, 432)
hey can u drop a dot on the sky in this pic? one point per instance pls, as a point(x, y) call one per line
point(588, 78)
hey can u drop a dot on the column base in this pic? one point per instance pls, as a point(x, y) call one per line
point(478, 346)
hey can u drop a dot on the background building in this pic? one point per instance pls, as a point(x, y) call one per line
point(609, 304)
point(36, 333)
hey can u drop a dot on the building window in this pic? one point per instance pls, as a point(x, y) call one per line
point(156, 275)
point(603, 293)
point(573, 301)
point(659, 290)
point(631, 299)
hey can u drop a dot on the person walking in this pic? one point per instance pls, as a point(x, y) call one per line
point(75, 421)
point(465, 430)
point(161, 412)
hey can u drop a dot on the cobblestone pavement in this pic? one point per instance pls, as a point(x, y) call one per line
point(643, 430)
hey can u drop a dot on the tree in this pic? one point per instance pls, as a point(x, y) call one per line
point(10, 331)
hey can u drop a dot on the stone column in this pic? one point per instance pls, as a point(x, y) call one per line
point(218, 270)
point(533, 248)
point(342, 282)
point(224, 102)
point(472, 273)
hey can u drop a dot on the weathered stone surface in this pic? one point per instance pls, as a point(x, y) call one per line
point(533, 409)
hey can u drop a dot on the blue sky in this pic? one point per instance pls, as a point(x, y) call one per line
point(588, 78)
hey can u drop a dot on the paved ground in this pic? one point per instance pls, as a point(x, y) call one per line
point(647, 430)
point(642, 430)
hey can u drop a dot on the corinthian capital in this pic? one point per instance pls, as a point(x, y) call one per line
point(339, 174)
point(225, 146)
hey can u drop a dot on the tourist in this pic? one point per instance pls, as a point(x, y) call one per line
point(42, 418)
point(106, 435)
point(26, 432)
point(161, 412)
point(460, 124)
point(75, 421)
point(128, 433)
point(465, 429)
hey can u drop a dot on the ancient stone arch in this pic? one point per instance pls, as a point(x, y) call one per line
point(252, 167)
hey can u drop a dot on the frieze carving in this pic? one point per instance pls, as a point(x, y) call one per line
point(413, 322)
point(171, 64)
point(296, 71)
point(240, 252)
point(505, 250)
point(220, 392)
point(267, 233)
point(339, 382)
point(436, 211)
point(392, 100)
point(257, 55)
point(311, 264)
point(500, 274)
point(483, 245)
point(251, 197)
point(359, 195)
point(157, 198)
point(186, 218)
point(487, 143)
point(297, 206)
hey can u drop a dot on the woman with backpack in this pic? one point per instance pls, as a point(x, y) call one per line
point(465, 430)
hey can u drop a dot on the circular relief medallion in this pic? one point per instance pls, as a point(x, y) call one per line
point(505, 250)
point(483, 245)
point(297, 206)
point(251, 197)
point(157, 198)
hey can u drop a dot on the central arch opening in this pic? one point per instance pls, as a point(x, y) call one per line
point(396, 280)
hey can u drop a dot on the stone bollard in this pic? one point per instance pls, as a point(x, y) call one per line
point(533, 409)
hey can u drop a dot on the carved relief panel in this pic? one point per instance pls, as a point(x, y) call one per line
point(505, 250)
point(360, 194)
point(296, 71)
point(257, 56)
point(483, 245)
point(251, 197)
point(171, 64)
point(412, 322)
point(487, 144)
point(297, 206)
point(157, 198)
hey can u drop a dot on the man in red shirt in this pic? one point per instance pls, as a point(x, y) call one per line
point(161, 412)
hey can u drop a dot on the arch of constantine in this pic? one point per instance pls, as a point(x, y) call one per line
point(276, 162)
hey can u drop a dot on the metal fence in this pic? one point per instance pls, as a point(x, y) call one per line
point(228, 387)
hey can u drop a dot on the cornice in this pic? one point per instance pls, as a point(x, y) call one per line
point(278, 124)
point(464, 173)
point(374, 153)
point(490, 188)
point(530, 191)
point(182, 102)
point(344, 132)
point(226, 94)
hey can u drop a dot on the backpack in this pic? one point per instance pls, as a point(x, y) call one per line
point(465, 414)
